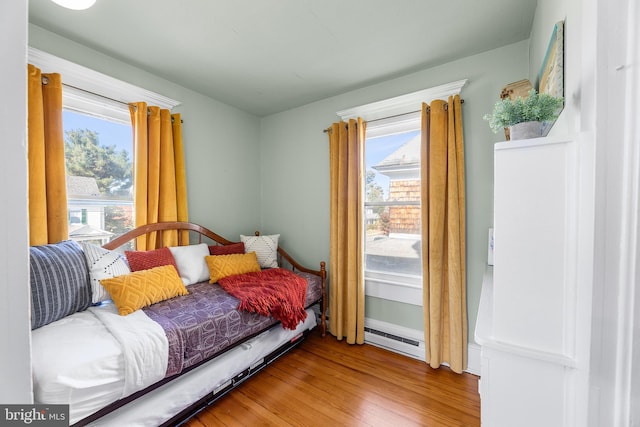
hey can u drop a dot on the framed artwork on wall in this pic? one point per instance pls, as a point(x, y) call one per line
point(551, 76)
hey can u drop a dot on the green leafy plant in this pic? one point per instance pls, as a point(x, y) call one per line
point(534, 108)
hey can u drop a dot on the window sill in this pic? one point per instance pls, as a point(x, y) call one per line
point(407, 293)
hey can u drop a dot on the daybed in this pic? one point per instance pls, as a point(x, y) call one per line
point(161, 363)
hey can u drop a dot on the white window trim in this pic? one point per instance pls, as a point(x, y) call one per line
point(407, 122)
point(401, 288)
point(87, 90)
point(396, 115)
point(402, 104)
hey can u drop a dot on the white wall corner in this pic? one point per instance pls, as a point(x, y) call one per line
point(473, 359)
point(15, 296)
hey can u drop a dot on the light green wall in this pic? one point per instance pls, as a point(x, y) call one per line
point(387, 311)
point(221, 142)
point(271, 174)
point(295, 164)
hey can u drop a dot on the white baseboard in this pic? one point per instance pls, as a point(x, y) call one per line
point(410, 342)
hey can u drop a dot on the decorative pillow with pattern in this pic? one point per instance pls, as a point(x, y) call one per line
point(139, 289)
point(190, 261)
point(265, 247)
point(221, 266)
point(103, 264)
point(59, 282)
point(144, 260)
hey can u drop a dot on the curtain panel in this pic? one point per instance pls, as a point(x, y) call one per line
point(160, 190)
point(48, 216)
point(346, 281)
point(443, 234)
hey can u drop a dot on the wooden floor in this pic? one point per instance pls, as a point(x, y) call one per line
point(326, 382)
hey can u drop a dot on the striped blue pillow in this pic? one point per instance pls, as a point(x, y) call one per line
point(59, 282)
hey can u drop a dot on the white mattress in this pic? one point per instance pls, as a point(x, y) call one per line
point(77, 361)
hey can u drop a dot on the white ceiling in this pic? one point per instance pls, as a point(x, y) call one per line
point(267, 56)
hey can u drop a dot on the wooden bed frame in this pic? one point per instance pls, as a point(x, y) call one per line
point(284, 259)
point(199, 234)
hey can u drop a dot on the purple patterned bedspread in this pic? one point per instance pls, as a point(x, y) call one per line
point(207, 321)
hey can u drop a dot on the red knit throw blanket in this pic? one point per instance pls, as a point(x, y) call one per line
point(277, 292)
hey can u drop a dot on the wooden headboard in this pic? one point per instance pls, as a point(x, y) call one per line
point(202, 233)
point(160, 227)
point(284, 259)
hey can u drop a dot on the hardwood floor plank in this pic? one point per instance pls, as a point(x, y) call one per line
point(325, 392)
point(238, 409)
point(326, 382)
point(406, 404)
point(284, 401)
point(418, 378)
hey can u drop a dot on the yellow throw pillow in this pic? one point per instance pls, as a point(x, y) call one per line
point(133, 291)
point(221, 266)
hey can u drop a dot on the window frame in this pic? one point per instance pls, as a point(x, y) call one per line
point(386, 117)
point(87, 89)
point(88, 92)
point(400, 287)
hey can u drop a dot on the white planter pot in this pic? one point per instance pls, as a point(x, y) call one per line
point(526, 130)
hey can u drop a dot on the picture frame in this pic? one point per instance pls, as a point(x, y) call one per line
point(551, 75)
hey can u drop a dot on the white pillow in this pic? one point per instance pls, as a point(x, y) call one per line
point(265, 247)
point(191, 263)
point(103, 264)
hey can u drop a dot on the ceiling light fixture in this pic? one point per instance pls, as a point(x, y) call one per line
point(75, 4)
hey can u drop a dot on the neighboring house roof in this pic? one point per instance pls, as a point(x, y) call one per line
point(404, 163)
point(82, 186)
point(87, 232)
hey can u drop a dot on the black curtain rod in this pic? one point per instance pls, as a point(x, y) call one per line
point(45, 81)
point(96, 94)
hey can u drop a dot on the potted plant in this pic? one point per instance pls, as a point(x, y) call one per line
point(525, 117)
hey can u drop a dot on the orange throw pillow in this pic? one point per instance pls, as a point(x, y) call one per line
point(233, 248)
point(221, 266)
point(144, 260)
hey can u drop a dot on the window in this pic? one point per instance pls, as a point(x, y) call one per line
point(99, 177)
point(393, 263)
point(98, 146)
point(392, 204)
point(392, 247)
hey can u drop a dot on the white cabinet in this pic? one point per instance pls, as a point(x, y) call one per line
point(534, 316)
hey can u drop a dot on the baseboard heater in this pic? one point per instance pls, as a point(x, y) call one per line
point(395, 338)
point(410, 342)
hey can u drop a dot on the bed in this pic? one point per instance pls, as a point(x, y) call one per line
point(164, 362)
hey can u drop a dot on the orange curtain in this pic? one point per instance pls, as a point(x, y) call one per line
point(443, 234)
point(159, 173)
point(48, 217)
point(346, 281)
